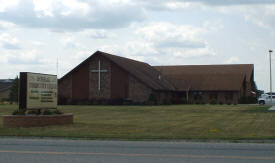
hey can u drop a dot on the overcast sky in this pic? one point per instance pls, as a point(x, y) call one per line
point(34, 33)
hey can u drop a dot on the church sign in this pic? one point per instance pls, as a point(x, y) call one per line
point(37, 91)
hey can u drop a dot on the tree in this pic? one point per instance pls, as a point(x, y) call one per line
point(13, 95)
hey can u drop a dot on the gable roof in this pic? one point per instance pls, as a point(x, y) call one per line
point(208, 77)
point(142, 71)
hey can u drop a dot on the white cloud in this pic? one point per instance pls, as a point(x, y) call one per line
point(233, 60)
point(26, 61)
point(206, 2)
point(164, 30)
point(137, 50)
point(69, 41)
point(65, 7)
point(213, 25)
point(99, 34)
point(3, 58)
point(159, 5)
point(161, 42)
point(234, 2)
point(9, 42)
point(73, 15)
point(81, 55)
point(177, 40)
point(6, 25)
point(6, 4)
point(179, 5)
point(24, 57)
point(261, 15)
point(38, 43)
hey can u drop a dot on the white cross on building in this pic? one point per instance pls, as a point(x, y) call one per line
point(99, 71)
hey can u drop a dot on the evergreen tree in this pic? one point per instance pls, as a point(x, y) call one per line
point(13, 96)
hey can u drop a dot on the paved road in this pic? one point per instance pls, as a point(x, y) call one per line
point(15, 150)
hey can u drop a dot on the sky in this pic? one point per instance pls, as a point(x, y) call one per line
point(34, 34)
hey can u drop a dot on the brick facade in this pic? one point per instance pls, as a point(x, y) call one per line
point(80, 83)
point(36, 121)
point(138, 92)
point(116, 83)
point(65, 89)
point(119, 83)
point(105, 81)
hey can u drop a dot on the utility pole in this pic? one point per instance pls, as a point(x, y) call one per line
point(270, 75)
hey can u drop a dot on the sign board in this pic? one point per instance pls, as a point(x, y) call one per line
point(37, 91)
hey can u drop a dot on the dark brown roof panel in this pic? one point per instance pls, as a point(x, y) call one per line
point(207, 82)
point(207, 77)
point(142, 71)
point(247, 69)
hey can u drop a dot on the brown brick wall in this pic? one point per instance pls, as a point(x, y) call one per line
point(80, 83)
point(105, 88)
point(119, 82)
point(138, 92)
point(65, 88)
point(36, 121)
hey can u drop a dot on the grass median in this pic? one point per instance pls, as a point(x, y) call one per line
point(157, 122)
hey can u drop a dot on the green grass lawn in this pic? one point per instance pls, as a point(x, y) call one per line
point(157, 122)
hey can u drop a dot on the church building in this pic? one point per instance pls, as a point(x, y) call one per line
point(109, 77)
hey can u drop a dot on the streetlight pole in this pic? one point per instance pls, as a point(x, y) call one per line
point(270, 75)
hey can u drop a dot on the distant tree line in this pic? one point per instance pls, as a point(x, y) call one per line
point(13, 95)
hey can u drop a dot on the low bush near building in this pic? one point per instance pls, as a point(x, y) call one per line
point(199, 102)
point(248, 100)
point(166, 102)
point(36, 112)
point(153, 99)
point(184, 101)
point(213, 101)
point(19, 112)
